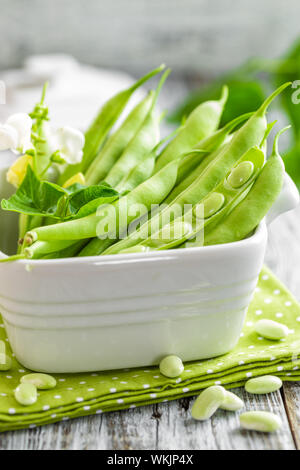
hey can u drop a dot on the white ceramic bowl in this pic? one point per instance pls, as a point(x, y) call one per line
point(99, 313)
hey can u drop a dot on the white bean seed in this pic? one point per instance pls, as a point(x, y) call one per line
point(171, 366)
point(208, 402)
point(232, 402)
point(263, 385)
point(262, 421)
point(271, 329)
point(26, 394)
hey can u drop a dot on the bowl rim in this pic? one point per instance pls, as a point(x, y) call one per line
point(259, 235)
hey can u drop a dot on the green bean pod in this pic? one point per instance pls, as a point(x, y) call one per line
point(196, 161)
point(250, 134)
point(213, 207)
point(143, 142)
point(140, 173)
point(150, 192)
point(40, 249)
point(242, 220)
point(143, 170)
point(202, 122)
point(101, 126)
point(117, 142)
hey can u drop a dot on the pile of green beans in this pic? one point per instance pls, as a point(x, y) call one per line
point(222, 174)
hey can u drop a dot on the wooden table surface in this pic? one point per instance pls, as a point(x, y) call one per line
point(169, 425)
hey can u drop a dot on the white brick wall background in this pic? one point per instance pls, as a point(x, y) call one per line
point(203, 36)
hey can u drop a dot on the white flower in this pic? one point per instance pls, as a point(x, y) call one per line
point(15, 134)
point(8, 137)
point(70, 143)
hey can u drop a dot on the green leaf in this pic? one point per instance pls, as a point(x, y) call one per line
point(86, 200)
point(292, 163)
point(35, 197)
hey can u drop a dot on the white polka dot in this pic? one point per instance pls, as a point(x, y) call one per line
point(242, 335)
point(147, 371)
point(276, 291)
point(57, 397)
point(98, 412)
point(3, 394)
point(178, 380)
point(46, 407)
point(218, 382)
point(94, 375)
point(146, 386)
point(288, 374)
point(288, 303)
point(279, 315)
point(21, 370)
point(279, 368)
point(134, 376)
point(291, 332)
point(298, 319)
point(82, 383)
point(241, 363)
point(257, 289)
point(86, 408)
point(267, 301)
point(69, 388)
point(120, 400)
point(249, 374)
point(272, 347)
point(115, 378)
point(209, 371)
point(153, 395)
point(220, 363)
point(132, 406)
point(258, 312)
point(91, 389)
point(32, 426)
point(295, 368)
point(112, 390)
point(53, 416)
point(124, 383)
point(11, 411)
point(185, 389)
point(265, 277)
point(249, 323)
point(65, 418)
point(156, 376)
point(251, 347)
point(61, 380)
point(272, 358)
point(9, 377)
point(259, 338)
point(79, 399)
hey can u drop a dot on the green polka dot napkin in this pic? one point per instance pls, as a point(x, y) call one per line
point(93, 393)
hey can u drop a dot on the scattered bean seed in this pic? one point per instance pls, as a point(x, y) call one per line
point(40, 381)
point(262, 421)
point(232, 402)
point(26, 394)
point(171, 366)
point(208, 402)
point(262, 385)
point(271, 329)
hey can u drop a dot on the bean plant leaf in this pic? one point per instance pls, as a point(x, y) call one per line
point(42, 198)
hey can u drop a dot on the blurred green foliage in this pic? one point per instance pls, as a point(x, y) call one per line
point(248, 87)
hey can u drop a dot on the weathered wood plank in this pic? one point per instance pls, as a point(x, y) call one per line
point(166, 426)
point(291, 398)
